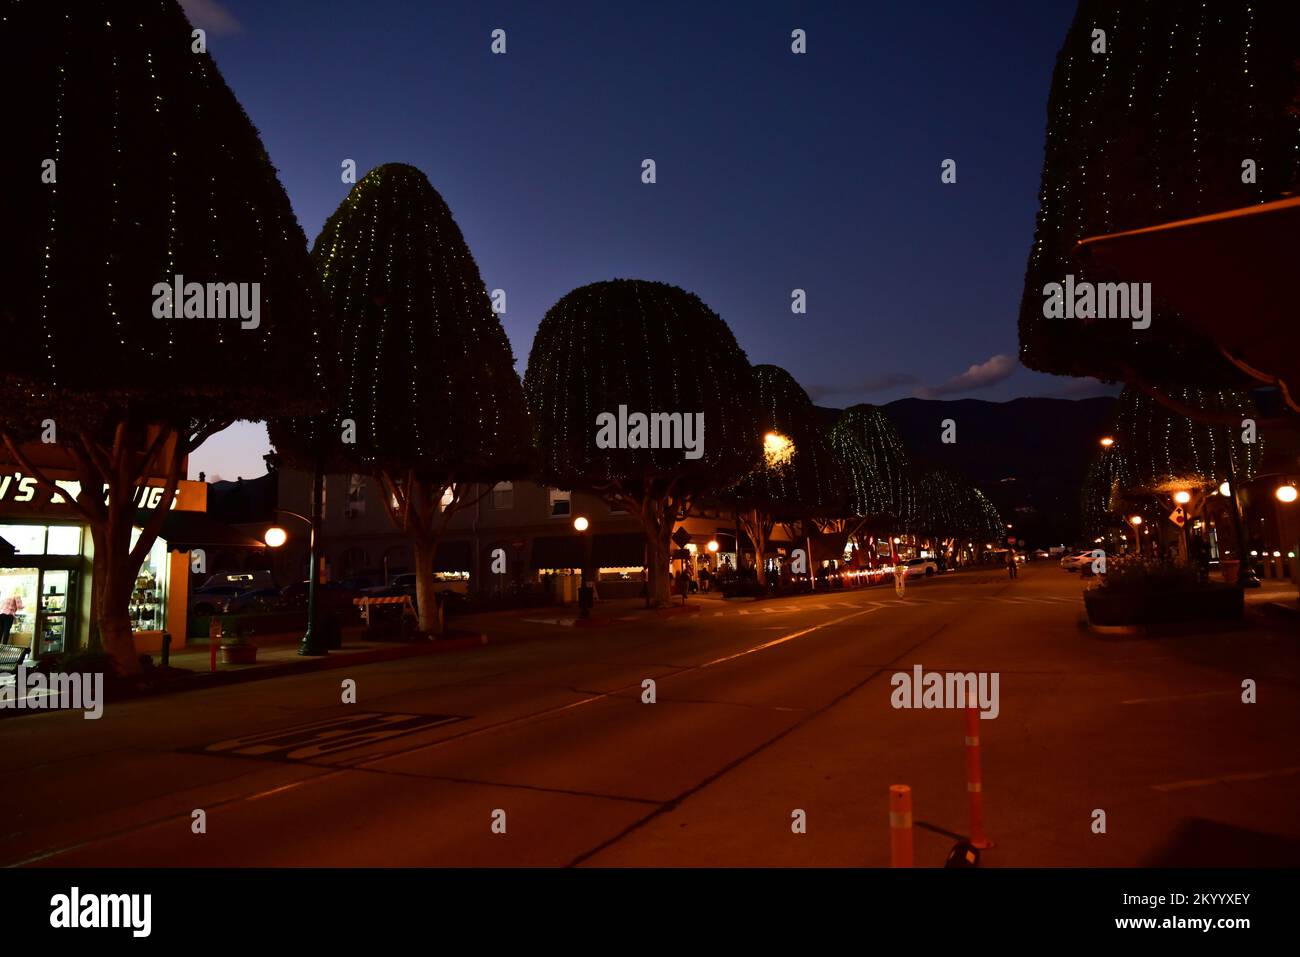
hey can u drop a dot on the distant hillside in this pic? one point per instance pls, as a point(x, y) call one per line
point(1028, 455)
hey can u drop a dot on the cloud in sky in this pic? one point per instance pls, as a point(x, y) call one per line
point(979, 376)
point(211, 16)
point(888, 380)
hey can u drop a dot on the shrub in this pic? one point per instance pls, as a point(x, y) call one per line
point(1132, 573)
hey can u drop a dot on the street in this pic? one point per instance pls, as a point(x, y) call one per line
point(540, 749)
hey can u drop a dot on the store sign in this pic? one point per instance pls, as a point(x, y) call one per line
point(24, 489)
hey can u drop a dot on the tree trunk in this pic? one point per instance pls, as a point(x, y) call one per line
point(429, 606)
point(660, 578)
point(114, 584)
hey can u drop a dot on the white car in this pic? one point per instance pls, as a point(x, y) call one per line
point(1075, 561)
point(921, 566)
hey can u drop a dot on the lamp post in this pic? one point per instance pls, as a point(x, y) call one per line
point(1136, 522)
point(585, 596)
point(311, 645)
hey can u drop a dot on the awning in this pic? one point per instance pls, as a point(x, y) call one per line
point(558, 551)
point(453, 557)
point(619, 550)
point(184, 531)
point(1230, 275)
point(7, 551)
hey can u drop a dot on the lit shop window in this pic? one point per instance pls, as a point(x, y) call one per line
point(43, 539)
point(149, 595)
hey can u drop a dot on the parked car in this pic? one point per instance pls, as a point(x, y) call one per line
point(453, 590)
point(214, 600)
point(1076, 561)
point(330, 596)
point(921, 566)
point(259, 578)
point(252, 598)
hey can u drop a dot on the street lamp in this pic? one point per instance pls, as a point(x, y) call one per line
point(1182, 498)
point(1225, 489)
point(777, 449)
point(1135, 521)
point(275, 536)
point(1286, 493)
point(713, 545)
point(581, 523)
point(1107, 442)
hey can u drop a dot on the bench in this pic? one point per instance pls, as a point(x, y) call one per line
point(11, 657)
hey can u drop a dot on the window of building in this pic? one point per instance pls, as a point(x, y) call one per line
point(43, 539)
point(561, 502)
point(356, 504)
point(503, 495)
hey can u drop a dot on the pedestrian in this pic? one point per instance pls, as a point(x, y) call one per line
point(683, 584)
point(900, 578)
point(1012, 570)
point(9, 609)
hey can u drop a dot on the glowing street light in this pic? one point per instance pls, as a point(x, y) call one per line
point(1225, 489)
point(581, 523)
point(1135, 520)
point(1107, 442)
point(1286, 493)
point(275, 536)
point(777, 449)
point(1182, 498)
point(713, 545)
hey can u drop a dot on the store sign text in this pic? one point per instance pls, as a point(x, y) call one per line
point(17, 487)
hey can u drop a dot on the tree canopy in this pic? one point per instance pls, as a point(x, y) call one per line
point(875, 464)
point(425, 370)
point(650, 348)
point(948, 505)
point(798, 475)
point(136, 165)
point(1156, 128)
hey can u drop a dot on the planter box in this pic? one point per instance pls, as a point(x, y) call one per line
point(239, 654)
point(1214, 603)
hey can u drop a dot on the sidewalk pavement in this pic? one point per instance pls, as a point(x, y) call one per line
point(1277, 596)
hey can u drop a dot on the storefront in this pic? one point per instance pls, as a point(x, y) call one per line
point(46, 580)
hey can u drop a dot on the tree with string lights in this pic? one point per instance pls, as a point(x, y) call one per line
point(798, 478)
point(139, 167)
point(882, 490)
point(624, 348)
point(429, 402)
point(1171, 111)
point(949, 507)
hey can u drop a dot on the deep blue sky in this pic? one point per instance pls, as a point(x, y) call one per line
point(775, 171)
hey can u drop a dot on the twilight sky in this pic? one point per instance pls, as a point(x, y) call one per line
point(776, 171)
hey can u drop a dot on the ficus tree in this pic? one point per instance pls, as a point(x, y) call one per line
point(1164, 124)
point(881, 483)
point(428, 400)
point(798, 476)
point(155, 285)
point(639, 393)
point(950, 507)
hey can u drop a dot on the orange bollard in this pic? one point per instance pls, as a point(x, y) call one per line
point(974, 778)
point(900, 825)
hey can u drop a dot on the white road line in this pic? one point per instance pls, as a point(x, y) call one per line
point(790, 637)
point(1225, 779)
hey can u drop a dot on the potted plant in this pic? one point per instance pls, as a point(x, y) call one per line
point(1144, 591)
point(237, 647)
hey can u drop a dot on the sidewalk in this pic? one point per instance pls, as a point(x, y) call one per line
point(1275, 596)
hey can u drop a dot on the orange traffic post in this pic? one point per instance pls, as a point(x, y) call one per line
point(900, 825)
point(974, 778)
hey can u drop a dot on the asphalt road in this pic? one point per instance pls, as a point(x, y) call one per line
point(761, 709)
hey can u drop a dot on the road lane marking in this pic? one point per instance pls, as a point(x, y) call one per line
point(790, 637)
point(1225, 779)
